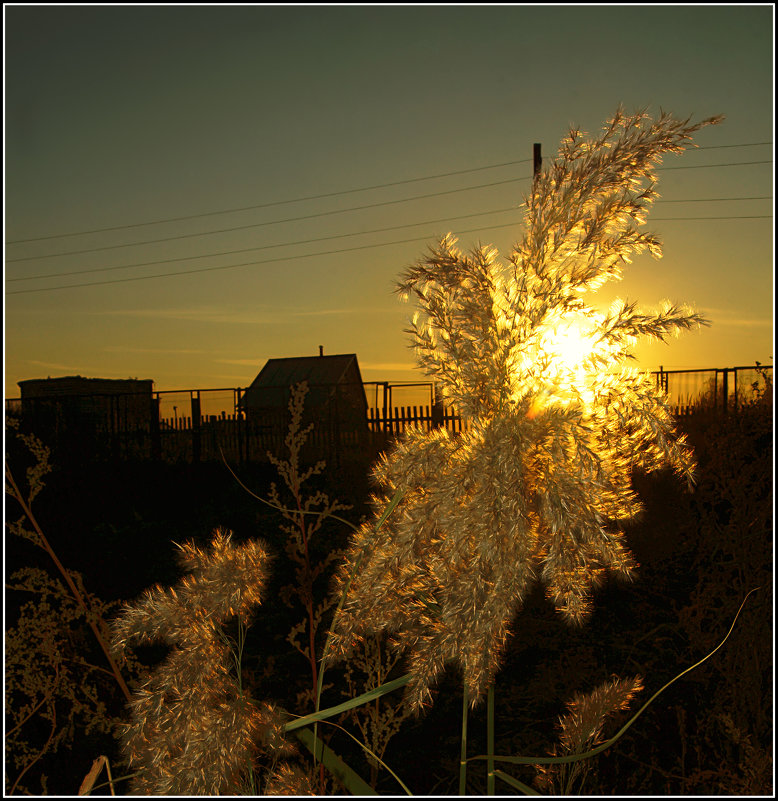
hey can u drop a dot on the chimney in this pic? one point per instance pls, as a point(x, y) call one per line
point(321, 350)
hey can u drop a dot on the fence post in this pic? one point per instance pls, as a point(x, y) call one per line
point(239, 425)
point(196, 426)
point(386, 425)
point(661, 379)
point(114, 427)
point(537, 159)
point(437, 408)
point(725, 390)
point(156, 437)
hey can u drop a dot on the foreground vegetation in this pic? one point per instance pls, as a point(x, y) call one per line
point(568, 473)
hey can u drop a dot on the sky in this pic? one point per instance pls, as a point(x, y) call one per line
point(191, 190)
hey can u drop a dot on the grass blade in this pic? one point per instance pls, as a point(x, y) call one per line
point(490, 739)
point(520, 760)
point(516, 784)
point(463, 751)
point(322, 667)
point(349, 778)
point(372, 754)
point(359, 700)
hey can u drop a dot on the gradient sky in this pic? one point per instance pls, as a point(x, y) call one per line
point(127, 115)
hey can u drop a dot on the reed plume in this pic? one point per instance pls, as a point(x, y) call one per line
point(193, 730)
point(540, 478)
point(581, 730)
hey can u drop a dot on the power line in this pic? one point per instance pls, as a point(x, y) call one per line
point(715, 199)
point(320, 253)
point(738, 217)
point(312, 197)
point(263, 247)
point(326, 214)
point(273, 203)
point(272, 222)
point(718, 147)
point(354, 233)
point(703, 166)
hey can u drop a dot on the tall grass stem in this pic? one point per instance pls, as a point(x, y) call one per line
point(90, 618)
point(490, 738)
point(561, 760)
point(463, 751)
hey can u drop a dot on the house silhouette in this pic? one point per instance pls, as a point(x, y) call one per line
point(335, 402)
point(83, 416)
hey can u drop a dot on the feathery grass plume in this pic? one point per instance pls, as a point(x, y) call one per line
point(55, 684)
point(582, 730)
point(555, 422)
point(289, 780)
point(380, 720)
point(54, 678)
point(304, 522)
point(193, 729)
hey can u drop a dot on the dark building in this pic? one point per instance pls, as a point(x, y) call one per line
point(335, 403)
point(86, 415)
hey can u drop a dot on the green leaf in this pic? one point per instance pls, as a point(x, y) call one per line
point(520, 760)
point(360, 700)
point(515, 783)
point(351, 780)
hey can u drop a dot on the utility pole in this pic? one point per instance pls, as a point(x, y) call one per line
point(537, 160)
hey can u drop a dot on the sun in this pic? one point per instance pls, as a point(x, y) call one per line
point(565, 350)
point(569, 344)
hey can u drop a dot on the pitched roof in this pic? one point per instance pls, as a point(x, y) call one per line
point(321, 373)
point(313, 369)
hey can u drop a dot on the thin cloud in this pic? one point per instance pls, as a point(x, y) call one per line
point(225, 315)
point(252, 362)
point(722, 317)
point(394, 366)
point(65, 368)
point(172, 351)
point(749, 323)
point(241, 380)
point(78, 369)
point(323, 312)
point(207, 315)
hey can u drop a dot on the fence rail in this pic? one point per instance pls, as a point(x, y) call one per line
point(117, 430)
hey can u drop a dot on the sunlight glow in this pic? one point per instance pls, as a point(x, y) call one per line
point(569, 344)
point(564, 359)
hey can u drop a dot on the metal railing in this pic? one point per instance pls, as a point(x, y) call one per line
point(717, 389)
point(202, 424)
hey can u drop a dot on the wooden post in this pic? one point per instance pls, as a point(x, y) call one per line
point(725, 390)
point(156, 438)
point(115, 426)
point(662, 379)
point(196, 426)
point(386, 407)
point(238, 423)
point(537, 160)
point(437, 408)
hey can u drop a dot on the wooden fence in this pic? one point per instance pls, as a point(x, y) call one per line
point(210, 437)
point(240, 440)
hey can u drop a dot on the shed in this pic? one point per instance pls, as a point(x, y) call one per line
point(336, 402)
point(85, 414)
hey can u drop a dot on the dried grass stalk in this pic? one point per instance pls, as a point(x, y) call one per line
point(541, 476)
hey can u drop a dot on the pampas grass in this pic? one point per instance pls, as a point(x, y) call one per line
point(539, 481)
point(193, 731)
point(581, 730)
point(536, 488)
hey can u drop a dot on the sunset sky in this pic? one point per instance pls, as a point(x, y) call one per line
point(195, 138)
